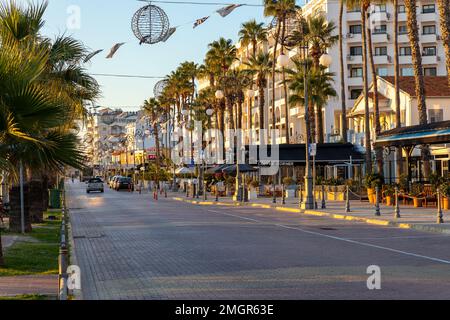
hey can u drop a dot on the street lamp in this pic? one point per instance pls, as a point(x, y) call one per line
point(219, 94)
point(283, 60)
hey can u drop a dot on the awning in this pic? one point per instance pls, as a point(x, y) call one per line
point(216, 169)
point(243, 168)
point(432, 133)
point(185, 170)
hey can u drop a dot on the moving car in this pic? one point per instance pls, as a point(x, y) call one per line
point(95, 184)
point(112, 183)
point(124, 183)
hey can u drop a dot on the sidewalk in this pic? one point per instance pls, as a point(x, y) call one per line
point(422, 219)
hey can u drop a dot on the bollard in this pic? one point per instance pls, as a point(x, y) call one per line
point(440, 218)
point(324, 205)
point(165, 193)
point(347, 200)
point(377, 202)
point(217, 193)
point(300, 195)
point(283, 201)
point(397, 207)
point(205, 196)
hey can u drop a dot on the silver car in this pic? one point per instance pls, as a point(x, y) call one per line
point(95, 184)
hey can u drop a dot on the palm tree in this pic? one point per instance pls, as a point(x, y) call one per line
point(413, 34)
point(342, 74)
point(261, 66)
point(153, 109)
point(251, 32)
point(280, 10)
point(444, 14)
point(320, 36)
point(398, 124)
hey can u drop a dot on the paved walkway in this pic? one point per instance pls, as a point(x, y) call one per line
point(46, 285)
point(423, 219)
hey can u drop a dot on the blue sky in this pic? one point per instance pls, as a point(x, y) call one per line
point(105, 22)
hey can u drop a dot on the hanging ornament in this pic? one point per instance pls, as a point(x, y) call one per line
point(150, 24)
point(159, 88)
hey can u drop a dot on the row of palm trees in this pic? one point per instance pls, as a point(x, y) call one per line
point(43, 88)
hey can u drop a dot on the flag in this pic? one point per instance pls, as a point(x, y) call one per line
point(228, 9)
point(91, 55)
point(200, 21)
point(114, 50)
point(169, 34)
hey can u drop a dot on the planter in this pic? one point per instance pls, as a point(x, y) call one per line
point(445, 203)
point(290, 193)
point(417, 202)
point(253, 194)
point(389, 201)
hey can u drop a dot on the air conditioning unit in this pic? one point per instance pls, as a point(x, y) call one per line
point(349, 35)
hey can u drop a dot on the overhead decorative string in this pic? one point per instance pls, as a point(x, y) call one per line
point(91, 55)
point(114, 50)
point(200, 21)
point(228, 9)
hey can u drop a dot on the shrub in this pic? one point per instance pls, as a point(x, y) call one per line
point(288, 181)
point(373, 180)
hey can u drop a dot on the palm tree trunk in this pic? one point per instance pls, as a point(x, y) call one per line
point(366, 90)
point(275, 47)
point(376, 105)
point(262, 102)
point(15, 213)
point(2, 262)
point(413, 33)
point(399, 157)
point(444, 14)
point(319, 118)
point(341, 62)
point(286, 102)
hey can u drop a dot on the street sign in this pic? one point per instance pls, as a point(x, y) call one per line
point(313, 149)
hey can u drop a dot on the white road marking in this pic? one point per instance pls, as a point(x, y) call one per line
point(338, 238)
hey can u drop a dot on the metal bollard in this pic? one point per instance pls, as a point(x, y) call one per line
point(440, 218)
point(217, 193)
point(205, 196)
point(324, 205)
point(397, 207)
point(377, 202)
point(283, 198)
point(347, 200)
point(300, 195)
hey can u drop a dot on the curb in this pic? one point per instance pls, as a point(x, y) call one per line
point(379, 222)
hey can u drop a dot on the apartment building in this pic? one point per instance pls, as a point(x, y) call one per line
point(381, 23)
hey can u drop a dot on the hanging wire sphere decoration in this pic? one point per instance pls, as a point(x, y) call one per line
point(159, 88)
point(150, 24)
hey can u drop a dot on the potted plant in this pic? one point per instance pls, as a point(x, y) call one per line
point(230, 181)
point(253, 187)
point(445, 191)
point(371, 181)
point(416, 193)
point(389, 193)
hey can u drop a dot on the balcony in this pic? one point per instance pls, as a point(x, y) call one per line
point(382, 59)
point(404, 60)
point(426, 17)
point(428, 38)
point(354, 81)
point(380, 17)
point(430, 59)
point(353, 16)
point(354, 59)
point(353, 37)
point(402, 16)
point(380, 37)
point(403, 38)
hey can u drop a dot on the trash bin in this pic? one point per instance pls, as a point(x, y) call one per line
point(54, 199)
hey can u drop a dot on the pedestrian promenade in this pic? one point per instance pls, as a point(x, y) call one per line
point(423, 219)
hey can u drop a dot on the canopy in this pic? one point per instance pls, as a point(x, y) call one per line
point(185, 170)
point(232, 169)
point(216, 169)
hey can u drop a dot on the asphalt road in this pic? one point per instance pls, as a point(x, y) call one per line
point(131, 247)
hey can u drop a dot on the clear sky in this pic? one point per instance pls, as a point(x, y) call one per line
point(104, 23)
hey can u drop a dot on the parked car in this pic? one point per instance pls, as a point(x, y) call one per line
point(124, 183)
point(95, 184)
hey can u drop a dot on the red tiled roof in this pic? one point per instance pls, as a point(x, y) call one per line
point(435, 86)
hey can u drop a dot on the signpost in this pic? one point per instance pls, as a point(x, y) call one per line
point(313, 153)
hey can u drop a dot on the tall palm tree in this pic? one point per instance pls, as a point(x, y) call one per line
point(251, 32)
point(398, 123)
point(279, 10)
point(153, 109)
point(320, 36)
point(342, 74)
point(261, 66)
point(444, 14)
point(413, 34)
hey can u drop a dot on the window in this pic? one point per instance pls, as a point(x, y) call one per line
point(429, 51)
point(379, 8)
point(429, 29)
point(356, 51)
point(436, 115)
point(355, 93)
point(401, 8)
point(407, 72)
point(379, 29)
point(402, 29)
point(355, 9)
point(429, 71)
point(356, 72)
point(405, 51)
point(428, 8)
point(381, 51)
point(355, 29)
point(382, 72)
